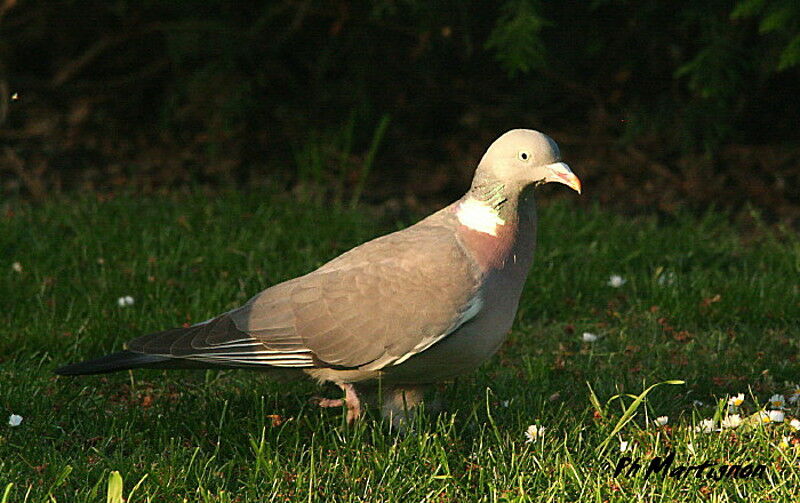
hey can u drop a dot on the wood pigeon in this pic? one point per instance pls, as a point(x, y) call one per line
point(405, 310)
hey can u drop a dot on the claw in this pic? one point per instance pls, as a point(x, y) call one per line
point(350, 400)
point(327, 402)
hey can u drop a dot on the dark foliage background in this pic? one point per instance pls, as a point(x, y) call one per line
point(657, 105)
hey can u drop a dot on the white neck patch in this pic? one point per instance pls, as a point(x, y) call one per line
point(479, 216)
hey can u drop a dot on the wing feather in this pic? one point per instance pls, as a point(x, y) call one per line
point(374, 306)
point(218, 341)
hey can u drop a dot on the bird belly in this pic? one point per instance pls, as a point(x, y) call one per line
point(475, 341)
point(461, 352)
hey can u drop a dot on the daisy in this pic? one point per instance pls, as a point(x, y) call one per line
point(777, 401)
point(731, 421)
point(624, 446)
point(661, 420)
point(14, 420)
point(705, 426)
point(616, 281)
point(589, 337)
point(666, 278)
point(735, 401)
point(125, 301)
point(776, 416)
point(533, 432)
point(795, 423)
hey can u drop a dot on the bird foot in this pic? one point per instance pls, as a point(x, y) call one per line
point(327, 402)
point(350, 400)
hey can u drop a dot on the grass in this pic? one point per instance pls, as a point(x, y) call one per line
point(704, 302)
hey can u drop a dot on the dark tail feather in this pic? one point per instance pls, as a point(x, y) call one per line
point(122, 360)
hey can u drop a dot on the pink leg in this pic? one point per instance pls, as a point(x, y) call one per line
point(350, 400)
point(328, 402)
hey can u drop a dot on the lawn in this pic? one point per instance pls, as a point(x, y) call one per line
point(698, 299)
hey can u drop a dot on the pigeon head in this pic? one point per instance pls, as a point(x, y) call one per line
point(521, 158)
point(516, 162)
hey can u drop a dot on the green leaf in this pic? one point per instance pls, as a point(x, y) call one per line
point(7, 492)
point(775, 20)
point(515, 38)
point(114, 494)
point(366, 166)
point(791, 54)
point(594, 400)
point(61, 478)
point(630, 412)
point(747, 8)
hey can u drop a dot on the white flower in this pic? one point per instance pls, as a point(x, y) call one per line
point(772, 416)
point(624, 446)
point(666, 278)
point(737, 400)
point(698, 403)
point(125, 301)
point(589, 337)
point(705, 426)
point(731, 421)
point(504, 403)
point(777, 401)
point(661, 420)
point(16, 267)
point(785, 442)
point(14, 420)
point(616, 281)
point(533, 432)
point(794, 423)
point(776, 416)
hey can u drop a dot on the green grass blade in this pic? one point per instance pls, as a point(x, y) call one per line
point(7, 492)
point(114, 493)
point(62, 477)
point(630, 412)
point(366, 166)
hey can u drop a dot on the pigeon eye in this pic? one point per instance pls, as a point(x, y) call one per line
point(523, 156)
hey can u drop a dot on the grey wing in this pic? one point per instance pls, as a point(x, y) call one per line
point(374, 306)
point(219, 342)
